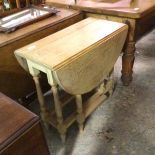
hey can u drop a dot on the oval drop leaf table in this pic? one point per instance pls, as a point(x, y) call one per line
point(78, 59)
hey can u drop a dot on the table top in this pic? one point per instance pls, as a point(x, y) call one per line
point(14, 120)
point(65, 46)
point(123, 8)
point(5, 39)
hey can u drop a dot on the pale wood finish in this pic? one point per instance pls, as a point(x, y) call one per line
point(81, 37)
point(84, 71)
point(78, 59)
point(58, 110)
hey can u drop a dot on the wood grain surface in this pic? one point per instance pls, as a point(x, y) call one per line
point(73, 40)
point(88, 52)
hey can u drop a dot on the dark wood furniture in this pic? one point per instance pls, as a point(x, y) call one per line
point(138, 14)
point(14, 81)
point(20, 130)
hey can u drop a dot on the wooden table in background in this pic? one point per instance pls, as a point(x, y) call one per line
point(138, 14)
point(14, 81)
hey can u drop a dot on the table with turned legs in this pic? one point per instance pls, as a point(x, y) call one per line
point(78, 59)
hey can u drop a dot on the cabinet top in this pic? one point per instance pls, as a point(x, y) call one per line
point(6, 39)
point(65, 46)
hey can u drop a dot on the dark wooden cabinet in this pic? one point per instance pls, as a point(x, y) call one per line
point(20, 130)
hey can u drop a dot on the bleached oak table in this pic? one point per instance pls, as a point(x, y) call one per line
point(78, 59)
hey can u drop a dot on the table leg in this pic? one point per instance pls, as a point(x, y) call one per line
point(44, 113)
point(18, 4)
point(80, 116)
point(128, 55)
point(58, 110)
point(127, 63)
point(110, 83)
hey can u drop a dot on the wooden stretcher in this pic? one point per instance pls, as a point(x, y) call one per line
point(78, 59)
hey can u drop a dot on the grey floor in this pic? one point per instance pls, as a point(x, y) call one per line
point(125, 123)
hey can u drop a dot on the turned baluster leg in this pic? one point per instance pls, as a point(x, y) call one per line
point(43, 110)
point(58, 109)
point(80, 116)
point(128, 55)
point(127, 63)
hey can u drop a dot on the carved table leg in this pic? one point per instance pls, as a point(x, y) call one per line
point(44, 113)
point(127, 63)
point(80, 116)
point(128, 55)
point(58, 109)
